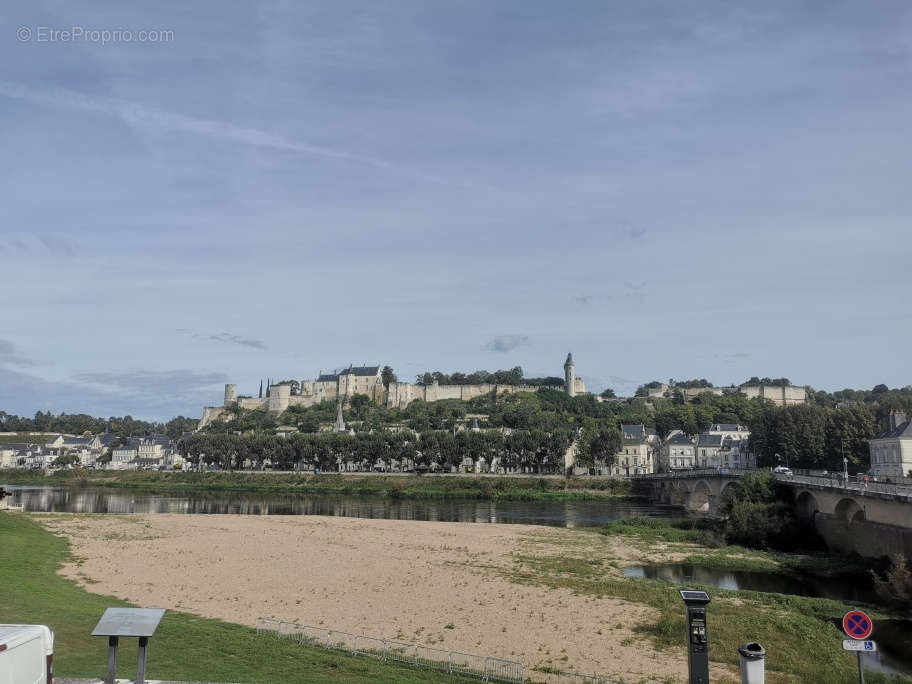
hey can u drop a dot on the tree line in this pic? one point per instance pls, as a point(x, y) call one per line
point(514, 376)
point(535, 450)
point(81, 423)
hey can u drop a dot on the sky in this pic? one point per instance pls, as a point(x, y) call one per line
point(210, 192)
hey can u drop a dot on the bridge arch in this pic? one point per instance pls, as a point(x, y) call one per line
point(849, 510)
point(700, 497)
point(807, 506)
point(727, 487)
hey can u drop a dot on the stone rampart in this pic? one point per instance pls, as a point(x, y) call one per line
point(401, 394)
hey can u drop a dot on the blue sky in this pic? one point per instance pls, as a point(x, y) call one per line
point(668, 189)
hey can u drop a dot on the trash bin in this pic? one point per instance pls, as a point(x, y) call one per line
point(752, 663)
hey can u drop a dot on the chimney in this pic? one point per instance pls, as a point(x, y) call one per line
point(897, 418)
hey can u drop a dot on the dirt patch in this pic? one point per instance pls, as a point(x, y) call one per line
point(440, 584)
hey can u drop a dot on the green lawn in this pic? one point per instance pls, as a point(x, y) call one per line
point(185, 647)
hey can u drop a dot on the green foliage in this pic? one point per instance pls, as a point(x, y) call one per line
point(813, 436)
point(685, 530)
point(691, 384)
point(777, 382)
point(895, 587)
point(758, 512)
point(66, 460)
point(80, 423)
point(514, 376)
point(534, 450)
point(336, 484)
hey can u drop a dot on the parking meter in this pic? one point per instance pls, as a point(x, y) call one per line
point(697, 640)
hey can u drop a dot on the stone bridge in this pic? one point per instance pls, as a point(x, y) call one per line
point(873, 519)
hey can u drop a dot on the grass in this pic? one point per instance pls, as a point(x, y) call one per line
point(802, 642)
point(529, 488)
point(185, 647)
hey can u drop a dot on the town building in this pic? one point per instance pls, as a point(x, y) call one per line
point(637, 453)
point(708, 450)
point(891, 449)
point(679, 451)
point(731, 430)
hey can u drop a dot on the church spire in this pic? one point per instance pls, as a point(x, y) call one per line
point(339, 425)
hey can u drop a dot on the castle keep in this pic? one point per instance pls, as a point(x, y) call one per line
point(367, 380)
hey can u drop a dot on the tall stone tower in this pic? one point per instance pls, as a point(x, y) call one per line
point(339, 425)
point(569, 376)
point(230, 395)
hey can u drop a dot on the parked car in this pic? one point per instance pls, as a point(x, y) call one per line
point(26, 654)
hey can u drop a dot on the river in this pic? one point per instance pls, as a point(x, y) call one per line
point(115, 501)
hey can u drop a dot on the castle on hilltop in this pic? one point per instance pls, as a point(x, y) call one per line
point(368, 380)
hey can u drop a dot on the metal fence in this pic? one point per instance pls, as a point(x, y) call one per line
point(558, 677)
point(486, 668)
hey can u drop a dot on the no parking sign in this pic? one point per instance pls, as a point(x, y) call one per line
point(857, 624)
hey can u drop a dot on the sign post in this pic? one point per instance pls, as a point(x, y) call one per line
point(859, 626)
point(128, 622)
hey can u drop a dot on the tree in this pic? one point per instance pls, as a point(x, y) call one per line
point(295, 385)
point(608, 394)
point(895, 587)
point(65, 460)
point(388, 376)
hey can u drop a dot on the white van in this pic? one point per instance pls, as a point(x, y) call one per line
point(26, 654)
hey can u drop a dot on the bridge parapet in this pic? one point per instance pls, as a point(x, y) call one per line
point(834, 483)
point(701, 473)
point(880, 490)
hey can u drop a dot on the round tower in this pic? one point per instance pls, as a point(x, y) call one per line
point(230, 395)
point(569, 376)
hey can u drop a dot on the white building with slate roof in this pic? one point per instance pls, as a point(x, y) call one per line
point(891, 450)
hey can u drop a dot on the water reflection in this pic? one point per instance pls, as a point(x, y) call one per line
point(857, 588)
point(555, 513)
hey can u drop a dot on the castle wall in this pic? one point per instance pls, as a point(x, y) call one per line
point(210, 413)
point(778, 394)
point(401, 394)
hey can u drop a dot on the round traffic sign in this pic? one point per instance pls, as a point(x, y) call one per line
point(857, 624)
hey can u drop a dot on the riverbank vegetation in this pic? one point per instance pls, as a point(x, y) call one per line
point(185, 647)
point(392, 486)
point(800, 634)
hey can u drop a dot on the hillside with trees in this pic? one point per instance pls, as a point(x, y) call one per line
point(80, 423)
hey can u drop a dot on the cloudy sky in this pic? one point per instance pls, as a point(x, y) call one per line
point(667, 189)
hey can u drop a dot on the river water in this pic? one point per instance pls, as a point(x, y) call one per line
point(555, 513)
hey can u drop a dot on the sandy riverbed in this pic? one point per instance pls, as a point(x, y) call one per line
point(440, 584)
